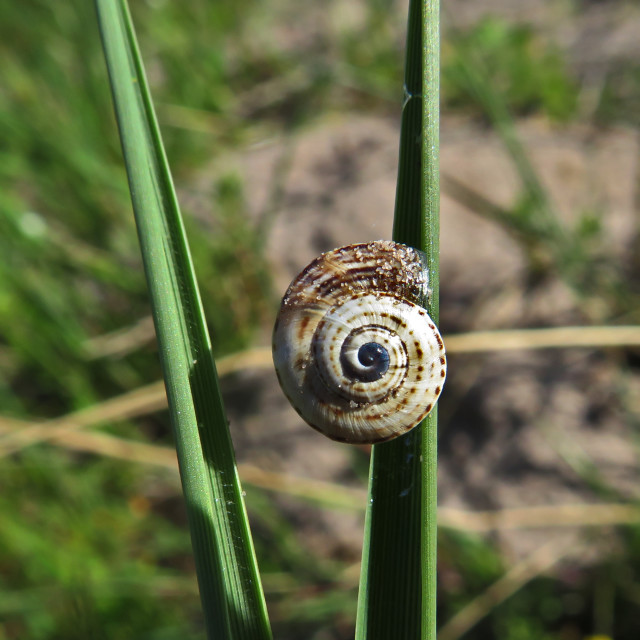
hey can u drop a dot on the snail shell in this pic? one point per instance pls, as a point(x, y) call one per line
point(355, 354)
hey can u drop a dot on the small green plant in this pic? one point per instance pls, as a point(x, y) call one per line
point(527, 72)
point(619, 97)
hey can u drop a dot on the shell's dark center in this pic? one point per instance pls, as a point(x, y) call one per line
point(375, 358)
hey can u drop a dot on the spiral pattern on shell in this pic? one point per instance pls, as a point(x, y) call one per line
point(355, 354)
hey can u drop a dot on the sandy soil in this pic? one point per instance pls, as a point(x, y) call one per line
point(517, 428)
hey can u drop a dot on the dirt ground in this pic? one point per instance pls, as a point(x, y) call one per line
point(517, 428)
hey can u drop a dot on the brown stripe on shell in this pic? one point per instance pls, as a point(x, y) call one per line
point(395, 269)
point(303, 326)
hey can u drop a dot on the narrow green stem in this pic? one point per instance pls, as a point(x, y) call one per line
point(230, 589)
point(431, 247)
point(398, 582)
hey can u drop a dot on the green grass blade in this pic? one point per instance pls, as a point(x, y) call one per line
point(398, 581)
point(230, 588)
point(476, 78)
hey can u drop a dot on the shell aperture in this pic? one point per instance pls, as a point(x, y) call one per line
point(356, 355)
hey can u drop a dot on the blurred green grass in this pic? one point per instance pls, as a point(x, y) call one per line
point(98, 548)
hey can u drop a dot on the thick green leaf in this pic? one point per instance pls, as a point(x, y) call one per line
point(398, 581)
point(230, 588)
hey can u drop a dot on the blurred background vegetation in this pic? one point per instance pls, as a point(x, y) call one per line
point(96, 546)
